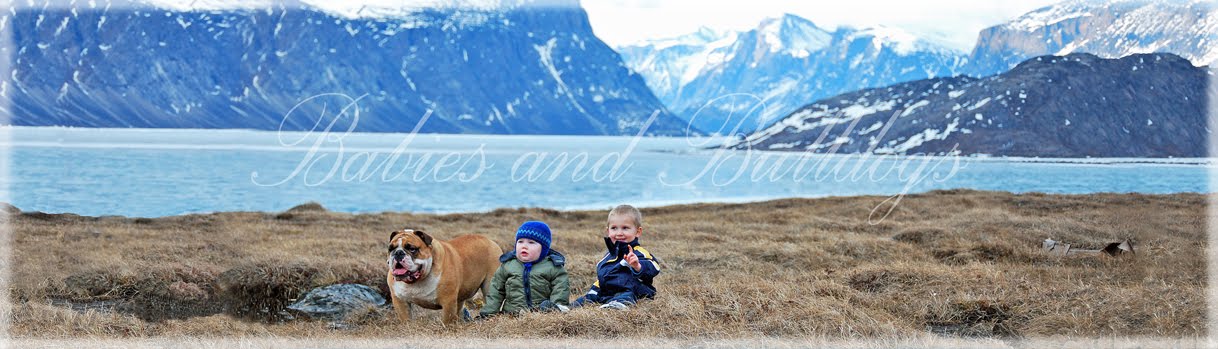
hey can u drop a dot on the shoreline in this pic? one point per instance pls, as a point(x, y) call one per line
point(86, 142)
point(8, 207)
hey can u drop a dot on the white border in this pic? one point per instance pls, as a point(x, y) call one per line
point(928, 341)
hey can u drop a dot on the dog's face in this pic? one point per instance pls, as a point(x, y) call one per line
point(410, 255)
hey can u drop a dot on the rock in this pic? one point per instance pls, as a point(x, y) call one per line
point(336, 301)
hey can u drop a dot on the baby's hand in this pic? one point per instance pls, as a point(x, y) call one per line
point(633, 260)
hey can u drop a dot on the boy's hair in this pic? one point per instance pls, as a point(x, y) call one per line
point(630, 211)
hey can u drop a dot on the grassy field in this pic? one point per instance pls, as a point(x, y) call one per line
point(945, 263)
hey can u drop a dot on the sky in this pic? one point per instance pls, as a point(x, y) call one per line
point(951, 22)
point(954, 23)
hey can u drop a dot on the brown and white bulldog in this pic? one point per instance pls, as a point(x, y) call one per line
point(436, 274)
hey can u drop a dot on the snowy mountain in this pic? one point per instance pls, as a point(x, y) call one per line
point(667, 65)
point(1109, 29)
point(720, 80)
point(468, 66)
point(1144, 105)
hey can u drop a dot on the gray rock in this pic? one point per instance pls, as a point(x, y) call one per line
point(334, 302)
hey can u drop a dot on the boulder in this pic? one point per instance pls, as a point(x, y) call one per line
point(334, 302)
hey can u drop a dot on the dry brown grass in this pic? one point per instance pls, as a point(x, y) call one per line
point(949, 262)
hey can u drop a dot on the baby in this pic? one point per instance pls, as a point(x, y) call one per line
point(531, 277)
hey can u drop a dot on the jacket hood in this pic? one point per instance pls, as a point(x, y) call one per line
point(554, 256)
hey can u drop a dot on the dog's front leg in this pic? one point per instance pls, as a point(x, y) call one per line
point(451, 309)
point(402, 309)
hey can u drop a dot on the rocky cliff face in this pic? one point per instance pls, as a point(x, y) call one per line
point(506, 68)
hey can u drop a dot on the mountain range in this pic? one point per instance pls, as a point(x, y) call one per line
point(507, 67)
point(724, 81)
point(716, 78)
point(1078, 105)
point(495, 68)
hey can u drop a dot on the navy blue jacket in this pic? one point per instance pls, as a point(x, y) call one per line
point(615, 276)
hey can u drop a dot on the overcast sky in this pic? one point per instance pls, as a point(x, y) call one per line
point(620, 22)
point(952, 22)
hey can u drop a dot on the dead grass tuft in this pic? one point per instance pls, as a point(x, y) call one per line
point(973, 318)
point(920, 235)
point(262, 291)
point(880, 279)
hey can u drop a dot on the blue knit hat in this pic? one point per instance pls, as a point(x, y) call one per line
point(536, 231)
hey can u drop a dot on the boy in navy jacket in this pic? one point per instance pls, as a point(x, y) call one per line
point(624, 275)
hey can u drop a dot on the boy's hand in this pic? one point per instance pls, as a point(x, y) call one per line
point(633, 260)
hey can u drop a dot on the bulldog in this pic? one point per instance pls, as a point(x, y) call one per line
point(436, 274)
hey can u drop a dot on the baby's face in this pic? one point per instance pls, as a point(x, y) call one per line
point(621, 228)
point(527, 250)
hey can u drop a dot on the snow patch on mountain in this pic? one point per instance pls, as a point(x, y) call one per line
point(900, 41)
point(1046, 16)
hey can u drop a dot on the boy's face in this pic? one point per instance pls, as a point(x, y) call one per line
point(527, 250)
point(622, 228)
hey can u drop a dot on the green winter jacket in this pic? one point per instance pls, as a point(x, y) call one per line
point(547, 280)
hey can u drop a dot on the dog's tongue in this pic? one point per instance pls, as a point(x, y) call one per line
point(400, 271)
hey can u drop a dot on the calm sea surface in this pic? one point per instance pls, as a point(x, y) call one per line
point(154, 172)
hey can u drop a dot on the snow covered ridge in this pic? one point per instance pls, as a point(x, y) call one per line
point(1109, 29)
point(793, 35)
point(387, 9)
point(1077, 9)
point(204, 5)
point(1071, 106)
point(903, 42)
point(1050, 15)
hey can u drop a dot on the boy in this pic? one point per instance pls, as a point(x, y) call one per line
point(531, 276)
point(624, 275)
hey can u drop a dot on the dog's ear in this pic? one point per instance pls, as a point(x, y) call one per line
point(426, 238)
point(392, 234)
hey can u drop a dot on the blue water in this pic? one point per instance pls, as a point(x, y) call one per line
point(149, 173)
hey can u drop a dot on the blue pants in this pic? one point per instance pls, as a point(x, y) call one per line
point(626, 298)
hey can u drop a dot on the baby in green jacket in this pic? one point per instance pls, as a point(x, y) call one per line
point(531, 276)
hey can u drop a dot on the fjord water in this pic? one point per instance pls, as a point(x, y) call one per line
point(160, 172)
